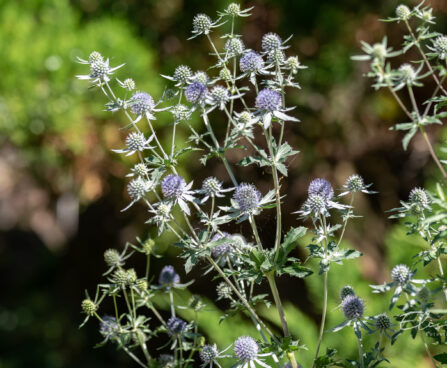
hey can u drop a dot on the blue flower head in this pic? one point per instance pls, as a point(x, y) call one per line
point(247, 197)
point(321, 187)
point(251, 62)
point(141, 102)
point(222, 249)
point(352, 307)
point(246, 348)
point(176, 325)
point(195, 92)
point(173, 186)
point(268, 100)
point(168, 276)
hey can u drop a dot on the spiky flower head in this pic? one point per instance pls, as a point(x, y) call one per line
point(195, 92)
point(182, 74)
point(234, 47)
point(246, 348)
point(176, 325)
point(321, 187)
point(173, 186)
point(222, 249)
point(419, 196)
point(181, 113)
point(293, 64)
point(208, 353)
point(424, 293)
point(148, 246)
point(108, 327)
point(401, 274)
point(200, 77)
point(382, 322)
point(247, 197)
point(355, 183)
point(142, 285)
point(99, 69)
point(224, 291)
point(220, 95)
point(346, 291)
point(128, 84)
point(317, 204)
point(119, 277)
point(225, 74)
point(403, 12)
point(168, 276)
point(202, 23)
point(112, 258)
point(137, 188)
point(233, 9)
point(352, 307)
point(211, 186)
point(95, 57)
point(251, 62)
point(277, 56)
point(141, 102)
point(166, 361)
point(136, 141)
point(408, 74)
point(195, 302)
point(131, 276)
point(89, 307)
point(379, 51)
point(245, 117)
point(270, 42)
point(268, 100)
point(140, 169)
point(440, 45)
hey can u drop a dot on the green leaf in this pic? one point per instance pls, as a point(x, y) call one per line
point(441, 358)
point(289, 242)
point(407, 138)
point(295, 270)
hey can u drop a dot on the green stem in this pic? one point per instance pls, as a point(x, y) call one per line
point(323, 316)
point(359, 343)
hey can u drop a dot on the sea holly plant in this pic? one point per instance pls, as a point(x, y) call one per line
point(248, 89)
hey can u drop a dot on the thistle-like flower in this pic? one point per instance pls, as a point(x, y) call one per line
point(168, 277)
point(142, 104)
point(202, 24)
point(268, 105)
point(247, 197)
point(353, 307)
point(401, 274)
point(196, 92)
point(181, 113)
point(246, 351)
point(419, 200)
point(251, 63)
point(354, 184)
point(176, 326)
point(162, 215)
point(224, 245)
point(139, 170)
point(321, 187)
point(212, 188)
point(346, 291)
point(271, 42)
point(108, 327)
point(234, 10)
point(135, 142)
point(403, 12)
point(128, 84)
point(182, 75)
point(223, 291)
point(234, 47)
point(208, 354)
point(175, 189)
point(382, 322)
point(100, 69)
point(218, 97)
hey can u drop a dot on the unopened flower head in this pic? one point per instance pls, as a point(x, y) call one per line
point(346, 291)
point(419, 196)
point(168, 276)
point(195, 92)
point(352, 307)
point(119, 277)
point(202, 24)
point(208, 353)
point(176, 325)
point(128, 84)
point(181, 113)
point(141, 102)
point(251, 62)
point(268, 100)
point(247, 197)
point(99, 69)
point(108, 327)
point(277, 56)
point(112, 258)
point(440, 45)
point(408, 74)
point(403, 12)
point(321, 187)
point(225, 74)
point(220, 95)
point(222, 249)
point(173, 186)
point(211, 186)
point(95, 57)
point(246, 349)
point(293, 64)
point(233, 9)
point(270, 42)
point(316, 204)
point(355, 183)
point(200, 77)
point(182, 74)
point(140, 169)
point(138, 188)
point(382, 322)
point(234, 47)
point(224, 291)
point(89, 307)
point(136, 141)
point(245, 117)
point(379, 51)
point(401, 274)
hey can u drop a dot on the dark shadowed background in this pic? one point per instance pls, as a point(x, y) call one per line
point(62, 188)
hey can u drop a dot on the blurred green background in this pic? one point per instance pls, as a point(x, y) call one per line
point(61, 187)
